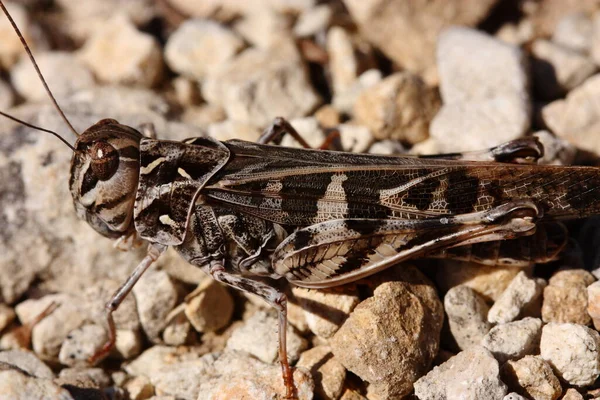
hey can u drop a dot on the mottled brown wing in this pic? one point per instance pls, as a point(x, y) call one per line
point(171, 176)
point(302, 187)
point(341, 251)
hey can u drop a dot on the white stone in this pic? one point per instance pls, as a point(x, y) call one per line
point(573, 351)
point(199, 47)
point(118, 53)
point(467, 316)
point(520, 294)
point(313, 21)
point(574, 31)
point(514, 340)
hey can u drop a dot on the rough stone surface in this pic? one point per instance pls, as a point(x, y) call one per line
point(259, 337)
point(7, 315)
point(327, 373)
point(488, 281)
point(467, 316)
point(557, 70)
point(484, 87)
point(80, 344)
point(326, 310)
point(471, 374)
point(400, 107)
point(199, 47)
point(259, 85)
point(27, 362)
point(134, 57)
point(84, 378)
point(574, 31)
point(236, 376)
point(155, 296)
point(139, 388)
point(572, 394)
point(566, 298)
point(313, 21)
point(17, 385)
point(576, 117)
point(593, 301)
point(49, 334)
point(408, 33)
point(514, 340)
point(516, 300)
point(531, 377)
point(391, 353)
point(211, 308)
point(343, 63)
point(344, 101)
point(573, 351)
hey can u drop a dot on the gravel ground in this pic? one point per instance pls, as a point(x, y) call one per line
point(393, 78)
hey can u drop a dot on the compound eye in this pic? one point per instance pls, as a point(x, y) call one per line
point(105, 160)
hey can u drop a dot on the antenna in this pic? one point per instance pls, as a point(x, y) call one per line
point(37, 69)
point(38, 128)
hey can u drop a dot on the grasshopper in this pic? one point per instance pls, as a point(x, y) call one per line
point(249, 213)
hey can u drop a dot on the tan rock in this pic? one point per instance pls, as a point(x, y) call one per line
point(532, 377)
point(391, 353)
point(400, 107)
point(328, 374)
point(517, 300)
point(211, 307)
point(566, 298)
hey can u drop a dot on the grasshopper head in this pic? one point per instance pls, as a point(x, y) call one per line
point(104, 176)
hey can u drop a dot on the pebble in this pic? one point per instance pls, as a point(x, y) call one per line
point(573, 351)
point(313, 21)
point(199, 47)
point(19, 386)
point(211, 307)
point(187, 92)
point(261, 84)
point(517, 300)
point(83, 378)
point(259, 336)
point(488, 281)
point(264, 27)
point(179, 329)
point(326, 310)
point(239, 376)
point(531, 377)
point(156, 296)
point(344, 101)
point(391, 353)
point(400, 107)
point(566, 298)
point(593, 301)
point(471, 374)
point(7, 315)
point(65, 72)
point(327, 373)
point(80, 344)
point(179, 374)
point(514, 340)
point(557, 70)
point(27, 362)
point(128, 344)
point(48, 335)
point(342, 62)
point(574, 31)
point(576, 118)
point(572, 394)
point(398, 28)
point(355, 138)
point(557, 151)
point(514, 396)
point(595, 39)
point(139, 388)
point(95, 297)
point(134, 57)
point(467, 316)
point(328, 116)
point(309, 129)
point(484, 87)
